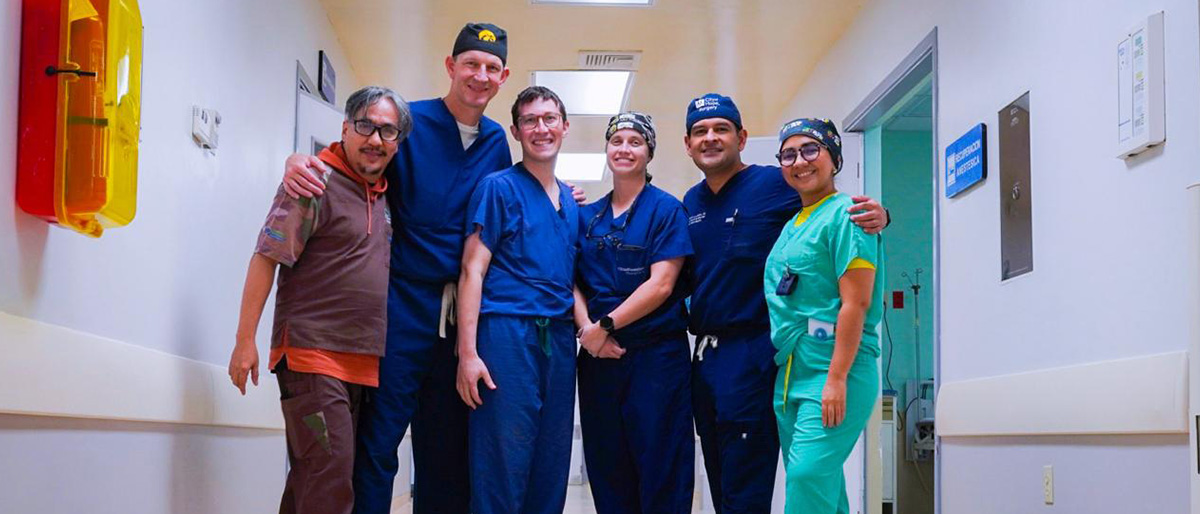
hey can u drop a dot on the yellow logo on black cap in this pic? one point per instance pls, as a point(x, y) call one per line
point(487, 35)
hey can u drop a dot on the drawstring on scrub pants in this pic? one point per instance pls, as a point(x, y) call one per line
point(448, 316)
point(543, 331)
point(787, 376)
point(705, 343)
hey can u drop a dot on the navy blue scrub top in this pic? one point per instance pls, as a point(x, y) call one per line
point(616, 255)
point(732, 233)
point(430, 181)
point(533, 246)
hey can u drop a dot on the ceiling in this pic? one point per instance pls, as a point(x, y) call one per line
point(757, 51)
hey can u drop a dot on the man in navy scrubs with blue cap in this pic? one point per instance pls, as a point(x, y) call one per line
point(435, 171)
point(734, 217)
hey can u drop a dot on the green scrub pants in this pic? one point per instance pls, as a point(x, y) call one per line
point(813, 455)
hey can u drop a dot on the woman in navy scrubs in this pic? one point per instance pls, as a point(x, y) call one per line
point(634, 365)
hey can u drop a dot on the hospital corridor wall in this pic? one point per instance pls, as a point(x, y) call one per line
point(1081, 365)
point(113, 391)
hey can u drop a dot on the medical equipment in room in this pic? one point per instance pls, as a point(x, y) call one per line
point(887, 446)
point(918, 420)
point(80, 112)
point(914, 283)
point(918, 412)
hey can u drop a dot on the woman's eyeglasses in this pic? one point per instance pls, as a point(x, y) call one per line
point(807, 151)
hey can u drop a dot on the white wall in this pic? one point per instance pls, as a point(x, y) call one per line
point(171, 281)
point(56, 465)
point(1113, 273)
point(178, 268)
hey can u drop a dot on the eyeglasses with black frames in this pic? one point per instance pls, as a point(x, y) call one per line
point(366, 128)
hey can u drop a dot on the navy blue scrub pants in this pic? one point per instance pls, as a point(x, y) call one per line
point(732, 390)
point(636, 416)
point(520, 438)
point(416, 384)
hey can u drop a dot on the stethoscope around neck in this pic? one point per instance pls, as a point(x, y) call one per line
point(610, 238)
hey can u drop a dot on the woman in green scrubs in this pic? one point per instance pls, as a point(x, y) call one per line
point(820, 286)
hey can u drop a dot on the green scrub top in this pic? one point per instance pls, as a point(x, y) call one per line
point(818, 251)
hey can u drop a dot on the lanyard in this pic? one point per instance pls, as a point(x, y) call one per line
point(610, 238)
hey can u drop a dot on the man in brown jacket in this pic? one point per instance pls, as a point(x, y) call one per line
point(330, 309)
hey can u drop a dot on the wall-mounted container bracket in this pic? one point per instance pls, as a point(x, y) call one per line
point(80, 110)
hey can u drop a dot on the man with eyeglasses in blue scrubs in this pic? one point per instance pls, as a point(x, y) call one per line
point(516, 337)
point(734, 217)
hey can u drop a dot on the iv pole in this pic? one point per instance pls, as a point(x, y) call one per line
point(915, 285)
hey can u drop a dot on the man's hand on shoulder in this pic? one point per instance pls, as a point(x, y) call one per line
point(872, 217)
point(577, 193)
point(301, 176)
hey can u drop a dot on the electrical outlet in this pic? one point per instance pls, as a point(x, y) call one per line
point(1048, 484)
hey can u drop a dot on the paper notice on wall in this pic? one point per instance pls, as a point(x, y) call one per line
point(1124, 92)
point(1139, 83)
point(1140, 100)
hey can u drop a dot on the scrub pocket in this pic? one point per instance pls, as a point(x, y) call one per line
point(806, 267)
point(631, 269)
point(304, 420)
point(816, 353)
point(752, 239)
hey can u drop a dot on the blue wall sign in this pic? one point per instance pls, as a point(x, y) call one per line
point(966, 160)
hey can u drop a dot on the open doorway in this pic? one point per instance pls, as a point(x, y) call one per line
point(899, 133)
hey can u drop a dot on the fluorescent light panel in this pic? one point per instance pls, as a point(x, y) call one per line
point(583, 167)
point(588, 93)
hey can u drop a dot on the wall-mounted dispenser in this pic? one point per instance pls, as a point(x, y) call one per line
point(204, 127)
point(80, 111)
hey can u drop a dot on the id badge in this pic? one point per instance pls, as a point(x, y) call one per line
point(787, 283)
point(820, 329)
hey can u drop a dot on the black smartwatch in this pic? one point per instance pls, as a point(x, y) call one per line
point(607, 324)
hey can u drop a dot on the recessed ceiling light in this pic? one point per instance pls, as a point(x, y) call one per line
point(588, 93)
point(594, 2)
point(582, 167)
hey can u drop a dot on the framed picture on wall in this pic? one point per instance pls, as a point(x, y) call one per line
point(318, 145)
point(326, 78)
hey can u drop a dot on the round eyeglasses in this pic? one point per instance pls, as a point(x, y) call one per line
point(807, 151)
point(550, 120)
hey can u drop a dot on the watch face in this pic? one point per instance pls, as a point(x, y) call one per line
point(606, 323)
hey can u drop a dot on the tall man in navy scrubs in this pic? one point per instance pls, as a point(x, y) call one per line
point(734, 217)
point(452, 147)
point(516, 332)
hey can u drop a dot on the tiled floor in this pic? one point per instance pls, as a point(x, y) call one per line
point(579, 501)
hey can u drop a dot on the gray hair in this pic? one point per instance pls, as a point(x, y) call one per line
point(360, 100)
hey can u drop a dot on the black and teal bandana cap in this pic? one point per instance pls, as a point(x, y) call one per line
point(484, 37)
point(823, 130)
point(638, 121)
